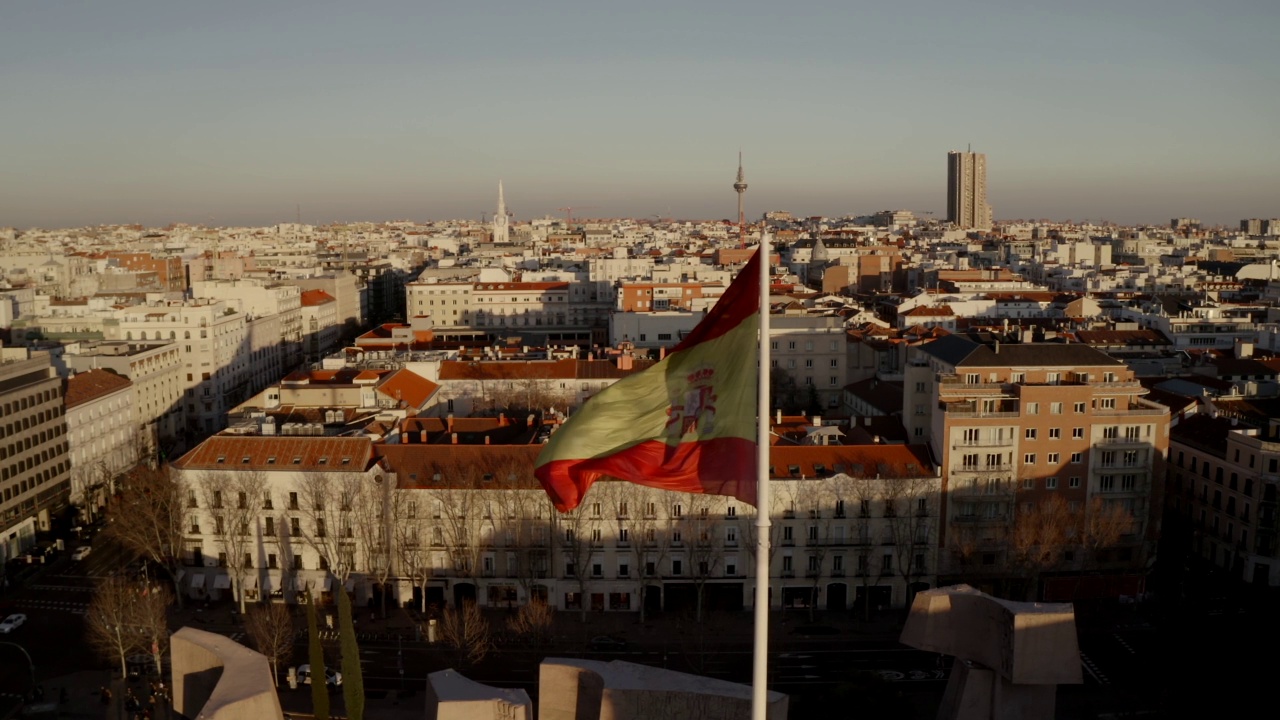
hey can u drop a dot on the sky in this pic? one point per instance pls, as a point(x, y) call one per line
point(244, 113)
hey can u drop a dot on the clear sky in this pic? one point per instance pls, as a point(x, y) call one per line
point(157, 112)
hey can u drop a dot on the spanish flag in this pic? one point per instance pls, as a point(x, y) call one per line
point(686, 424)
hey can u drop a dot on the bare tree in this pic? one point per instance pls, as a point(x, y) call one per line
point(1038, 538)
point(869, 535)
point(270, 627)
point(378, 509)
point(1104, 524)
point(806, 500)
point(146, 516)
point(413, 553)
point(532, 622)
point(705, 549)
point(639, 536)
point(151, 614)
point(466, 631)
point(522, 518)
point(109, 621)
point(231, 499)
point(577, 541)
point(326, 504)
point(912, 526)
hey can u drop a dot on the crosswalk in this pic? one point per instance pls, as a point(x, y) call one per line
point(63, 588)
point(77, 608)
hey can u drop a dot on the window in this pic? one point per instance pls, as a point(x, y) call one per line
point(1107, 403)
point(677, 565)
point(1077, 433)
point(1074, 482)
point(786, 563)
point(1053, 458)
point(1055, 433)
point(677, 510)
point(1033, 408)
point(1029, 459)
point(1079, 408)
point(1051, 483)
point(1031, 432)
point(1053, 378)
point(1077, 458)
point(1055, 408)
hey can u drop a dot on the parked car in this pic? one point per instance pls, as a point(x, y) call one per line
point(11, 623)
point(81, 553)
point(331, 677)
point(605, 643)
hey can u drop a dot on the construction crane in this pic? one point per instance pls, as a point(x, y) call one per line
point(568, 212)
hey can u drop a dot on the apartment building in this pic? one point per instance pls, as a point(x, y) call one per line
point(494, 306)
point(103, 438)
point(1020, 426)
point(259, 300)
point(320, 328)
point(35, 470)
point(811, 349)
point(216, 354)
point(444, 523)
point(351, 295)
point(155, 369)
point(1223, 478)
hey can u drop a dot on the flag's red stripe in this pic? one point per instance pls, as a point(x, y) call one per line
point(739, 302)
point(716, 466)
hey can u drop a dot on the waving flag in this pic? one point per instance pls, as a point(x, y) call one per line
point(686, 424)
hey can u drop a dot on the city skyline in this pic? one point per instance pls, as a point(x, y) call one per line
point(151, 114)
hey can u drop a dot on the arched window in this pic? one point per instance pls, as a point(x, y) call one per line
point(186, 334)
point(173, 335)
point(128, 335)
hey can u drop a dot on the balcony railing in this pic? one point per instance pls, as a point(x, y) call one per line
point(788, 542)
point(788, 573)
point(837, 573)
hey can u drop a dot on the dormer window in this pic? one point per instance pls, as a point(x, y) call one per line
point(297, 459)
point(244, 460)
point(222, 459)
point(271, 460)
point(346, 461)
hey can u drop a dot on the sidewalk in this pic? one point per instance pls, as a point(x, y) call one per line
point(84, 700)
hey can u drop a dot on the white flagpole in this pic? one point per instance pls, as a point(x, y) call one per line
point(760, 649)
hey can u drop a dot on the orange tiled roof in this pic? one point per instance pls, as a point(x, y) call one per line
point(311, 298)
point(408, 386)
point(280, 453)
point(887, 461)
point(87, 386)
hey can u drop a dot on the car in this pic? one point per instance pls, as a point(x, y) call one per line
point(331, 677)
point(11, 623)
point(81, 553)
point(605, 643)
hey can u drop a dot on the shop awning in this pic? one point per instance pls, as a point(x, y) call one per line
point(328, 583)
point(197, 581)
point(222, 582)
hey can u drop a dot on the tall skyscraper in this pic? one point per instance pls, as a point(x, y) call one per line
point(967, 190)
point(500, 218)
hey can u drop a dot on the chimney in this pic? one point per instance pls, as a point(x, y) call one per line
point(502, 419)
point(422, 435)
point(450, 423)
point(817, 420)
point(778, 421)
point(486, 439)
point(455, 438)
point(624, 361)
point(591, 356)
point(997, 347)
point(662, 352)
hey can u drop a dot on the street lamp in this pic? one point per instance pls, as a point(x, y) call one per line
point(30, 663)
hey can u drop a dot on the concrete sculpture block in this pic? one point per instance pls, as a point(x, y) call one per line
point(572, 689)
point(451, 696)
point(1010, 656)
point(215, 678)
